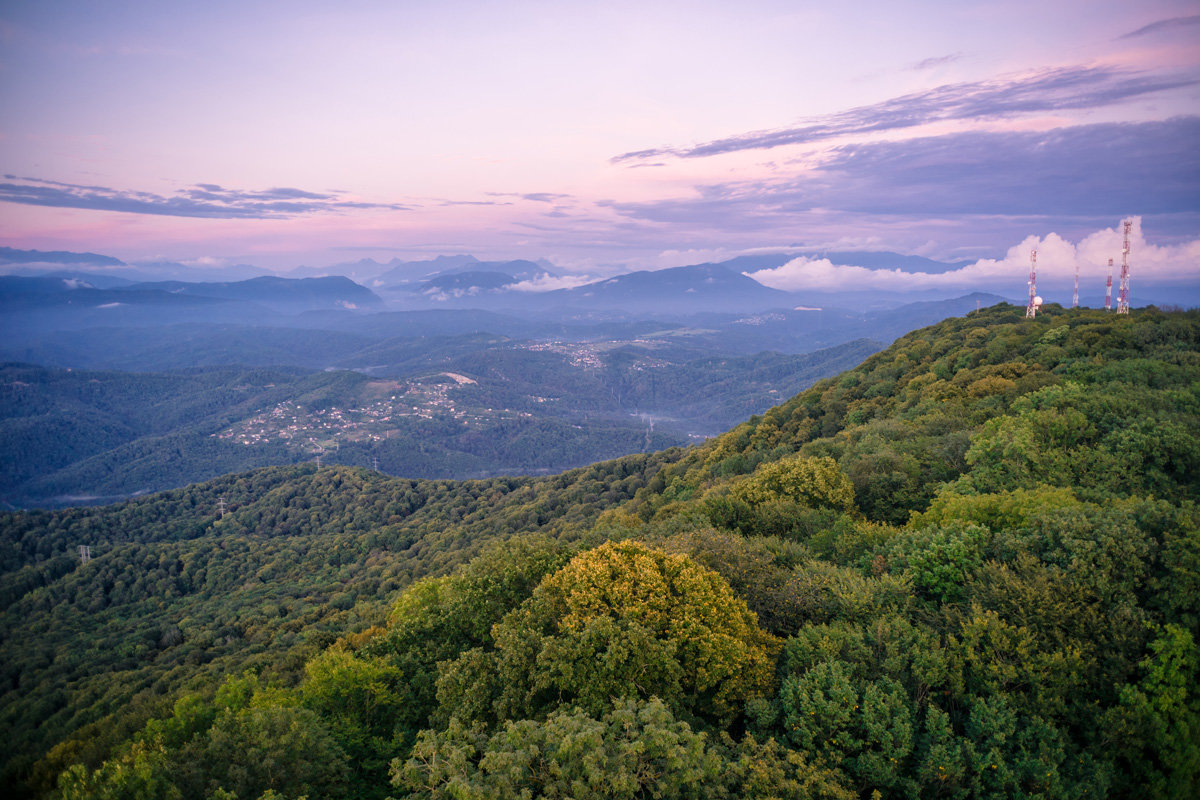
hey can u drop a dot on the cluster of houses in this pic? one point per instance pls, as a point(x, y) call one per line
point(297, 425)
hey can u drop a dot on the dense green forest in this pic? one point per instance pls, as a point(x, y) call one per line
point(967, 568)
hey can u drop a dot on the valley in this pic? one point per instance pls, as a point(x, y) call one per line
point(117, 387)
point(448, 408)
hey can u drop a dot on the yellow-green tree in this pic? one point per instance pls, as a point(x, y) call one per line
point(622, 620)
point(812, 482)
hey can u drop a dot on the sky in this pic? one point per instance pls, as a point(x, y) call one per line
point(604, 136)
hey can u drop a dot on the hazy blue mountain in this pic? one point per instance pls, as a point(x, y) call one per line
point(10, 255)
point(360, 271)
point(461, 284)
point(327, 292)
point(22, 293)
point(522, 269)
point(98, 268)
point(97, 280)
point(455, 278)
point(704, 287)
point(164, 270)
point(753, 262)
point(36, 310)
point(404, 272)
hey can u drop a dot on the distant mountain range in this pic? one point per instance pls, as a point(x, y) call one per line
point(86, 294)
point(520, 286)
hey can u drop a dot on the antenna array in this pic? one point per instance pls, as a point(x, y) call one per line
point(1031, 308)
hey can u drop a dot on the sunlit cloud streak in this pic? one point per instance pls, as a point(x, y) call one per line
point(204, 200)
point(1058, 89)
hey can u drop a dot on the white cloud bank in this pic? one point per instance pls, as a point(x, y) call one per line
point(1057, 258)
point(549, 283)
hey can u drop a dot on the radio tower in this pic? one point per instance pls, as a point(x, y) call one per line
point(1075, 297)
point(1123, 296)
point(1108, 289)
point(1031, 309)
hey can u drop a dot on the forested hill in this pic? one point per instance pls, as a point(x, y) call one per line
point(969, 567)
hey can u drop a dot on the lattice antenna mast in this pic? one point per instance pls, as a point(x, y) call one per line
point(85, 553)
point(1075, 296)
point(1108, 289)
point(1031, 309)
point(1123, 295)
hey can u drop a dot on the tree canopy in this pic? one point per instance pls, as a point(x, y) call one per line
point(969, 568)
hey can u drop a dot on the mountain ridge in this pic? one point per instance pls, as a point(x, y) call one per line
point(888, 527)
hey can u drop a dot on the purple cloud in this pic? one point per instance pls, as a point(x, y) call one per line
point(207, 200)
point(536, 197)
point(936, 61)
point(1163, 25)
point(1065, 88)
point(545, 197)
point(1088, 171)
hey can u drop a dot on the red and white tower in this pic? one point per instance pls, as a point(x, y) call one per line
point(1034, 300)
point(1075, 297)
point(1108, 289)
point(1123, 295)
